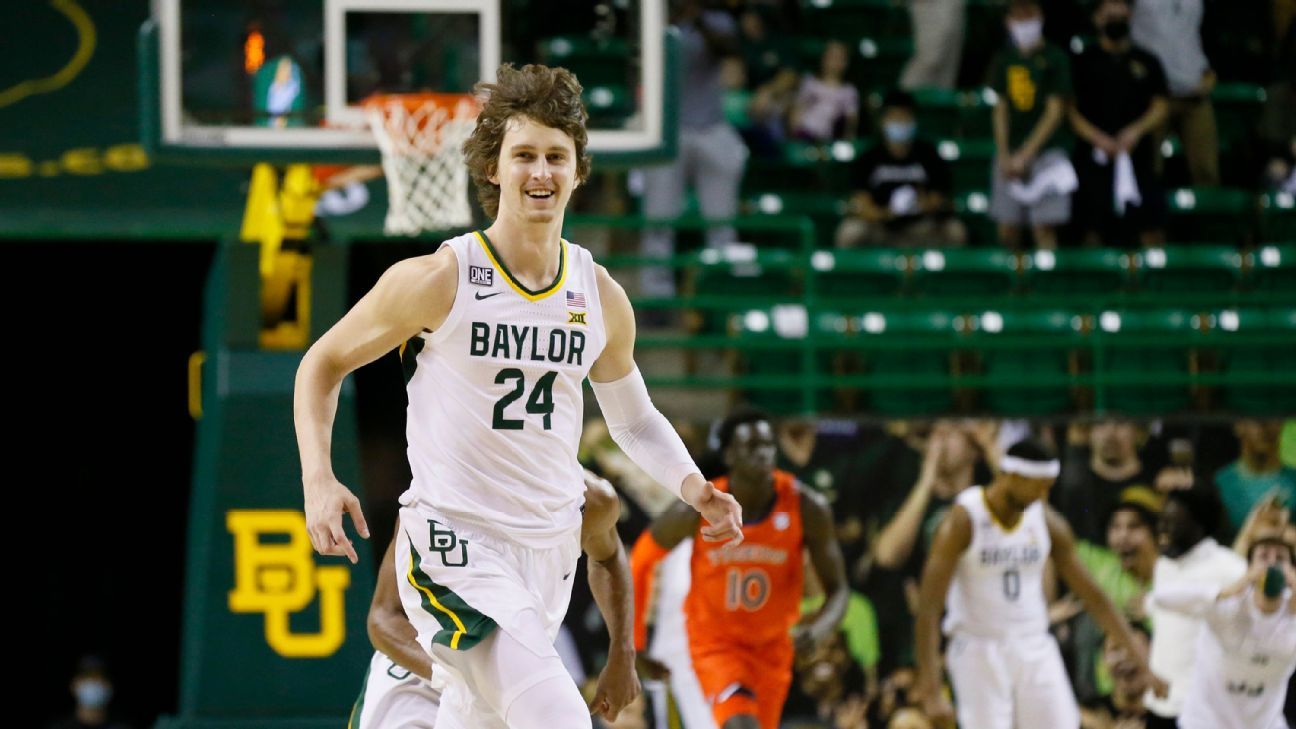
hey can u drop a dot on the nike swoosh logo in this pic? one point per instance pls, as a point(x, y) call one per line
point(479, 295)
point(566, 575)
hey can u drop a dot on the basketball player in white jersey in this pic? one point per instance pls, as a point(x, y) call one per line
point(1246, 651)
point(986, 566)
point(402, 688)
point(498, 330)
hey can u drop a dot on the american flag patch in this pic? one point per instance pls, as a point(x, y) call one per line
point(576, 299)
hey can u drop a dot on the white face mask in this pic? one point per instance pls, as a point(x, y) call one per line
point(92, 694)
point(1026, 34)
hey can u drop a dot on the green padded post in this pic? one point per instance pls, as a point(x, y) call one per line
point(274, 636)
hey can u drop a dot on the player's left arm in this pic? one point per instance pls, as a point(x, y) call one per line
point(1067, 563)
point(390, 630)
point(830, 567)
point(609, 580)
point(641, 430)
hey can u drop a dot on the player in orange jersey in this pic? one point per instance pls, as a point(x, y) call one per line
point(745, 599)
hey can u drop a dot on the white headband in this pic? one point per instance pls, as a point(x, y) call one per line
point(1030, 469)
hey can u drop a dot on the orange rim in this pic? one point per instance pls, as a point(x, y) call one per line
point(411, 102)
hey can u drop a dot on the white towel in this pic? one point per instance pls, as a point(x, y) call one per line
point(1052, 175)
point(904, 201)
point(1125, 189)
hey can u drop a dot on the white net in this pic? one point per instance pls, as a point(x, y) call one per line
point(421, 139)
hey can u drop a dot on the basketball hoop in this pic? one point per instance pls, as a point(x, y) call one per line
point(421, 138)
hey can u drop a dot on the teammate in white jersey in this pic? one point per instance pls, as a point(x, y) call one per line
point(986, 567)
point(499, 329)
point(403, 688)
point(1246, 652)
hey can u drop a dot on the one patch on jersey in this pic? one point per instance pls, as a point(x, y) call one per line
point(576, 317)
point(575, 299)
point(481, 275)
point(782, 520)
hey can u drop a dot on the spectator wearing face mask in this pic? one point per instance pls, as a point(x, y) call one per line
point(901, 188)
point(1033, 177)
point(92, 689)
point(1120, 98)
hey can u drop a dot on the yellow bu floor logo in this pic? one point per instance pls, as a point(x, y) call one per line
point(280, 578)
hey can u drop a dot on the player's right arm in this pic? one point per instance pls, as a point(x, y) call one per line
point(390, 630)
point(676, 524)
point(952, 539)
point(412, 296)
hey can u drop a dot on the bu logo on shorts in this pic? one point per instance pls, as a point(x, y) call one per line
point(445, 542)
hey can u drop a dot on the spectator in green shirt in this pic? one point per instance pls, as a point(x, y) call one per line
point(1123, 569)
point(1257, 471)
point(1033, 177)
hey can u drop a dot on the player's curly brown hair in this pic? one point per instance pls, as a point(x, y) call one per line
point(548, 96)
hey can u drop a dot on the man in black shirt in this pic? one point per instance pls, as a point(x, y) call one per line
point(1120, 98)
point(901, 188)
point(1099, 463)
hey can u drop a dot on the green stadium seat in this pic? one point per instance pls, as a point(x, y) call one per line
point(1076, 271)
point(1237, 112)
point(1274, 269)
point(859, 272)
point(777, 176)
point(1258, 343)
point(801, 167)
point(1278, 217)
point(824, 210)
point(973, 209)
point(938, 111)
point(964, 272)
point(970, 161)
point(1018, 345)
point(1150, 346)
point(597, 62)
point(1202, 269)
point(743, 271)
point(608, 105)
point(785, 326)
point(850, 19)
point(1212, 214)
point(900, 344)
point(962, 114)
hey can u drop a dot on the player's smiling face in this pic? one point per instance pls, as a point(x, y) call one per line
point(536, 171)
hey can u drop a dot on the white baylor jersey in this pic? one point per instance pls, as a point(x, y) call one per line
point(495, 400)
point(998, 586)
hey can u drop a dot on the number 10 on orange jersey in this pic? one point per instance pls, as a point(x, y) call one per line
point(747, 589)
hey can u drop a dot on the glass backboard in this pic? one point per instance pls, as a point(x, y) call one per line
point(246, 80)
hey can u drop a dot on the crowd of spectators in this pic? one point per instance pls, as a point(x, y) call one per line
point(1087, 99)
point(1153, 506)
